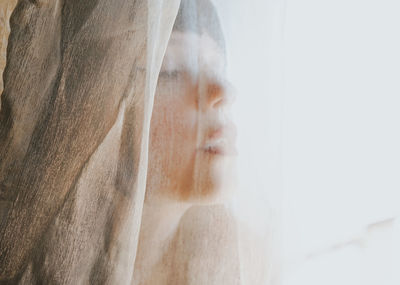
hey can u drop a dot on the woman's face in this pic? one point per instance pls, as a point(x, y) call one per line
point(192, 140)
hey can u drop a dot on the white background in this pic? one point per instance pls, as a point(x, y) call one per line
point(319, 101)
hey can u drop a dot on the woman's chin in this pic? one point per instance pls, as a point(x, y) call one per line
point(216, 185)
point(209, 181)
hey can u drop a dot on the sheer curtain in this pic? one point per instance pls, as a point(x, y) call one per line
point(6, 8)
point(167, 142)
point(340, 144)
point(126, 155)
point(74, 124)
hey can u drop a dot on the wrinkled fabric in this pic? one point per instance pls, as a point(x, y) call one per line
point(6, 8)
point(80, 161)
point(72, 114)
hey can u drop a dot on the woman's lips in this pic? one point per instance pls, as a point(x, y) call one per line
point(219, 149)
point(221, 141)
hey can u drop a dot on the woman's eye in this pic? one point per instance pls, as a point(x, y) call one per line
point(170, 74)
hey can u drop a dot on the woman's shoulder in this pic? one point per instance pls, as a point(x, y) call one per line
point(214, 239)
point(207, 246)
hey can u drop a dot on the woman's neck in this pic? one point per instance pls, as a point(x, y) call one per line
point(160, 221)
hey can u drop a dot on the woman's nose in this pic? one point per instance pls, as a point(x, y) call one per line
point(218, 94)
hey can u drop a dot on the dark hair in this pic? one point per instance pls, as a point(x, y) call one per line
point(200, 16)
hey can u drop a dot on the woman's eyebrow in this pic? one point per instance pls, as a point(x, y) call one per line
point(169, 73)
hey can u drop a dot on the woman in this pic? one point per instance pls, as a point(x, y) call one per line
point(191, 158)
point(70, 202)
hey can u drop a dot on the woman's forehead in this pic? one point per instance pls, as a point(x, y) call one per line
point(188, 48)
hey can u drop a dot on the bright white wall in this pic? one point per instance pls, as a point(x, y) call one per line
point(253, 32)
point(319, 102)
point(341, 154)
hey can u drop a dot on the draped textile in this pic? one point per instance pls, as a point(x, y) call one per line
point(118, 156)
point(6, 8)
point(72, 113)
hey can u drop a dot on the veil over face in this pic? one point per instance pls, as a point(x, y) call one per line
point(191, 159)
point(83, 148)
point(192, 139)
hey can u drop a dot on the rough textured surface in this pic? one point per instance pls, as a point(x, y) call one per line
point(73, 124)
point(6, 8)
point(70, 136)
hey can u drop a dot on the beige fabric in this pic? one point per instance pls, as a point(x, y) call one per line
point(71, 126)
point(6, 8)
point(74, 141)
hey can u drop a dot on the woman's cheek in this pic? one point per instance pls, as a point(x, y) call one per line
point(174, 128)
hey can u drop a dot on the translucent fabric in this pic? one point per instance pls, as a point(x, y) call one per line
point(74, 123)
point(340, 143)
point(6, 7)
point(133, 143)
